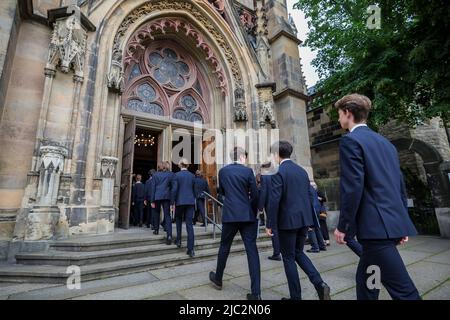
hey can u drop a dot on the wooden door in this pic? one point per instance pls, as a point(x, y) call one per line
point(210, 173)
point(127, 174)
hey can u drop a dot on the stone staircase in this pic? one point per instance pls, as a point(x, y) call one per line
point(116, 254)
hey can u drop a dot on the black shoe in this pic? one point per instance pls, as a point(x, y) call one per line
point(190, 253)
point(203, 225)
point(323, 291)
point(323, 249)
point(168, 241)
point(140, 225)
point(286, 298)
point(275, 257)
point(307, 241)
point(156, 232)
point(313, 251)
point(178, 243)
point(253, 297)
point(216, 284)
point(148, 226)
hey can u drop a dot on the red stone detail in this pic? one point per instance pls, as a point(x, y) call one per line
point(135, 45)
point(219, 5)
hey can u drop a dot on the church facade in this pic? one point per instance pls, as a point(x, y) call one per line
point(92, 92)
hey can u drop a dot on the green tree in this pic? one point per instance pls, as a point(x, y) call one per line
point(402, 66)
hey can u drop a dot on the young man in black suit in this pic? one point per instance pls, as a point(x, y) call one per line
point(373, 202)
point(291, 213)
point(237, 185)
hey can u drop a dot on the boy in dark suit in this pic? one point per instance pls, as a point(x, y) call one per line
point(237, 186)
point(373, 202)
point(183, 202)
point(160, 197)
point(138, 192)
point(291, 213)
point(267, 171)
point(201, 185)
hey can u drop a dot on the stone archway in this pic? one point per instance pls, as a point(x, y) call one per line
point(437, 177)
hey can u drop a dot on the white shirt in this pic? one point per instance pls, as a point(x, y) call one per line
point(358, 125)
point(284, 161)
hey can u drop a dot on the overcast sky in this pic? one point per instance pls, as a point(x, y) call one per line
point(305, 53)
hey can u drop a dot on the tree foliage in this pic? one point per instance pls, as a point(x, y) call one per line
point(402, 66)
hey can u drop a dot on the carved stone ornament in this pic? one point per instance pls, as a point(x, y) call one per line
point(108, 167)
point(266, 105)
point(115, 76)
point(51, 166)
point(178, 5)
point(240, 110)
point(68, 46)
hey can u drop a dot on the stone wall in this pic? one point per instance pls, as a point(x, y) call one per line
point(20, 118)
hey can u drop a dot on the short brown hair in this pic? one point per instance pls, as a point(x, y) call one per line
point(183, 163)
point(358, 104)
point(161, 166)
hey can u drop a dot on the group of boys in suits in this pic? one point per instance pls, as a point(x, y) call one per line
point(373, 208)
point(179, 193)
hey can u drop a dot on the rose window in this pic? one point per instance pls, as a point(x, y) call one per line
point(168, 68)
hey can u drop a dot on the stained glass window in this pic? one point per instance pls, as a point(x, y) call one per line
point(147, 95)
point(189, 110)
point(168, 68)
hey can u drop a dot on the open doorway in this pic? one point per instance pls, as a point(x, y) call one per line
point(140, 155)
point(145, 152)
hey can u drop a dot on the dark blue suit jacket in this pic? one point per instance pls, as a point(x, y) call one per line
point(161, 185)
point(237, 187)
point(373, 198)
point(264, 192)
point(200, 186)
point(183, 188)
point(148, 189)
point(138, 192)
point(290, 198)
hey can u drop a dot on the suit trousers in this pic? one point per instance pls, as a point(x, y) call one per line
point(291, 246)
point(188, 212)
point(138, 211)
point(383, 255)
point(249, 232)
point(165, 204)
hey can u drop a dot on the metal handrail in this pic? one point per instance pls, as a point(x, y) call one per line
point(213, 220)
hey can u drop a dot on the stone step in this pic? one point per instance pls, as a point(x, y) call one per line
point(57, 274)
point(109, 242)
point(67, 258)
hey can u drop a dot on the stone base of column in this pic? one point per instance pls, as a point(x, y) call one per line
point(443, 218)
point(105, 220)
point(41, 223)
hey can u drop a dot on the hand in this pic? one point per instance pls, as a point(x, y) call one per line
point(269, 232)
point(339, 236)
point(172, 208)
point(404, 240)
point(132, 203)
point(153, 205)
point(145, 202)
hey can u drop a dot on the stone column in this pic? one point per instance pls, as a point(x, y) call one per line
point(43, 217)
point(107, 212)
point(290, 97)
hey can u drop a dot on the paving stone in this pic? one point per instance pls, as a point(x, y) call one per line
point(88, 287)
point(443, 257)
point(427, 275)
point(440, 293)
point(146, 291)
point(169, 296)
point(230, 291)
point(23, 287)
point(431, 245)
